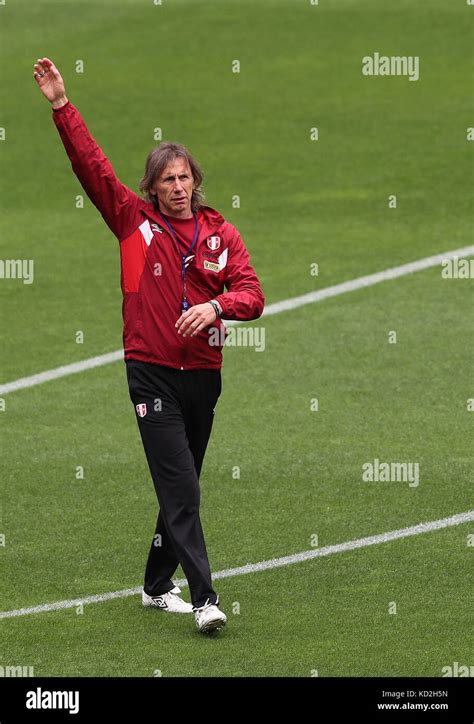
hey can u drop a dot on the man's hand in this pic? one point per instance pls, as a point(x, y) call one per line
point(50, 82)
point(195, 319)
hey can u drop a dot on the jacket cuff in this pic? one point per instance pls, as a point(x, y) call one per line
point(58, 110)
point(221, 303)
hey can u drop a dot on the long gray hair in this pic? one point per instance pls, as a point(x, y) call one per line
point(156, 163)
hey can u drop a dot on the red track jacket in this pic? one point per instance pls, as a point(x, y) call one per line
point(151, 266)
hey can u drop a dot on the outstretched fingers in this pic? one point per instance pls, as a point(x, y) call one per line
point(44, 66)
point(39, 72)
point(48, 65)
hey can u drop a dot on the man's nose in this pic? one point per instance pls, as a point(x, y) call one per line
point(177, 185)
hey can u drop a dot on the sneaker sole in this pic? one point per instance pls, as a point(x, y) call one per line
point(213, 625)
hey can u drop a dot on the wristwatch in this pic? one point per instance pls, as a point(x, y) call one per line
point(217, 307)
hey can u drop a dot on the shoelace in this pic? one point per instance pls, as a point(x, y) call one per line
point(207, 604)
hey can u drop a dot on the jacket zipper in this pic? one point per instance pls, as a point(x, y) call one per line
point(172, 241)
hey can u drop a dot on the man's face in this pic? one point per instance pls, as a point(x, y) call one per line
point(174, 189)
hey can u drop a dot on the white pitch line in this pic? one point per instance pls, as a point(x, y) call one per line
point(54, 374)
point(367, 281)
point(351, 545)
point(276, 308)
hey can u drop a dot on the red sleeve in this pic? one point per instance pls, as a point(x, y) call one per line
point(244, 298)
point(117, 203)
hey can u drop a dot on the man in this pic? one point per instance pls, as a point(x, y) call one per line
point(177, 258)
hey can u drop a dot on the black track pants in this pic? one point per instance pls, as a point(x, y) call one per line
point(175, 427)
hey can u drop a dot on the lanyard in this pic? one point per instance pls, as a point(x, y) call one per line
point(184, 303)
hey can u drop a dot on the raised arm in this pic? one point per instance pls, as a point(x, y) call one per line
point(117, 203)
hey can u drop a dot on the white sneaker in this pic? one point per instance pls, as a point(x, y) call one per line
point(170, 601)
point(209, 618)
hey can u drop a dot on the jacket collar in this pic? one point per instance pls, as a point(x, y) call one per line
point(210, 219)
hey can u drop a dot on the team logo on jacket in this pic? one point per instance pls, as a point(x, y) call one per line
point(213, 242)
point(141, 409)
point(156, 227)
